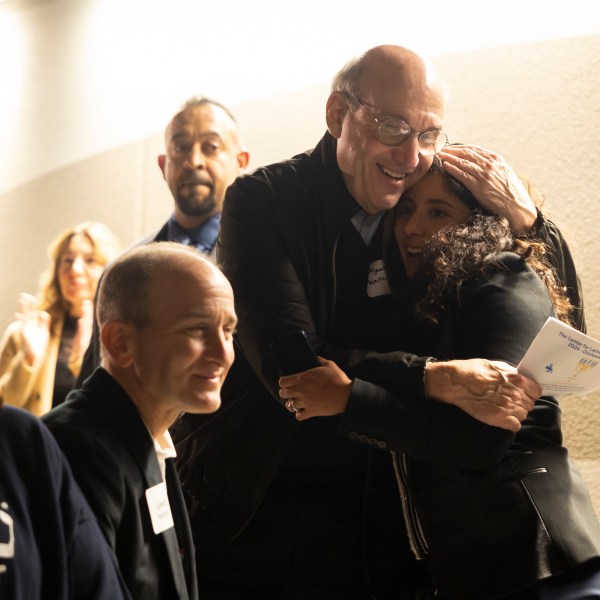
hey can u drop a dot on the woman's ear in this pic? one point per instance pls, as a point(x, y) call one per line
point(117, 337)
point(335, 111)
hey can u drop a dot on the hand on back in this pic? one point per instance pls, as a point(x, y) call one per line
point(492, 392)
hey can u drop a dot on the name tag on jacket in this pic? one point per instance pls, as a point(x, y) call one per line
point(159, 507)
point(377, 283)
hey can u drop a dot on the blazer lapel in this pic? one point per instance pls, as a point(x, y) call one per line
point(180, 546)
point(127, 421)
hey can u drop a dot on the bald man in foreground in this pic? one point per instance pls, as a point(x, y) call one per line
point(166, 318)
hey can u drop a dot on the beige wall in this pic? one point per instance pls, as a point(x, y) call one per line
point(535, 103)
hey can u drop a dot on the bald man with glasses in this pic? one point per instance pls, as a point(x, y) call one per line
point(289, 509)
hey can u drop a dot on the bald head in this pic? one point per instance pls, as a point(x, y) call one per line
point(393, 84)
point(191, 105)
point(167, 320)
point(127, 287)
point(396, 67)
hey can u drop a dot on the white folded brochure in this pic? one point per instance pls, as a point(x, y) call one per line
point(562, 360)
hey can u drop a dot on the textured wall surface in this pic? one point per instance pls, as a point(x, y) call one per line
point(536, 104)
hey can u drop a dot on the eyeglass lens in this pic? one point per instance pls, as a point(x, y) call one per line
point(392, 132)
point(395, 131)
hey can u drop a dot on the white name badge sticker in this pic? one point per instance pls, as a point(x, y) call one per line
point(159, 507)
point(377, 283)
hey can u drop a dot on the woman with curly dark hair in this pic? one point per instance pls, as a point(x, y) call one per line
point(494, 513)
point(460, 252)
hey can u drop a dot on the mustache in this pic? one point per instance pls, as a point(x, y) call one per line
point(195, 180)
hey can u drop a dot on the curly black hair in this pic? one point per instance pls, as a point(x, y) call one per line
point(457, 254)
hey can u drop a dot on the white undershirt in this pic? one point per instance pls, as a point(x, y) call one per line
point(164, 449)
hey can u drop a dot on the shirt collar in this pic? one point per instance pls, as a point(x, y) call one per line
point(204, 236)
point(164, 449)
point(366, 224)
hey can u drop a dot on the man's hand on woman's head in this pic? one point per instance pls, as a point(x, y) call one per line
point(493, 182)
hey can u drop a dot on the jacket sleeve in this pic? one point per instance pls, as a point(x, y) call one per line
point(96, 469)
point(61, 541)
point(93, 568)
point(269, 296)
point(560, 257)
point(498, 316)
point(277, 274)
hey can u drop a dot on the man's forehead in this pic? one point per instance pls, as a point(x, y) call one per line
point(203, 117)
point(191, 299)
point(195, 275)
point(423, 103)
point(396, 83)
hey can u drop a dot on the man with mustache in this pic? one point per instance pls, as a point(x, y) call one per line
point(203, 155)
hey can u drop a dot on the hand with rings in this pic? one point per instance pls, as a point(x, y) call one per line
point(319, 392)
point(493, 182)
point(290, 406)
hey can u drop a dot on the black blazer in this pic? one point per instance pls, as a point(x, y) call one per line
point(50, 542)
point(490, 511)
point(114, 461)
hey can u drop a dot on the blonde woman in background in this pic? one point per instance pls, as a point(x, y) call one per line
point(42, 350)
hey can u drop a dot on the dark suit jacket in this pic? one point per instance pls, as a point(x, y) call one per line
point(492, 512)
point(50, 542)
point(114, 461)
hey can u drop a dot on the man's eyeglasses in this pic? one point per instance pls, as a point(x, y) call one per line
point(394, 131)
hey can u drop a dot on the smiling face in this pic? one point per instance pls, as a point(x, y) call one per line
point(391, 84)
point(203, 157)
point(78, 271)
point(182, 356)
point(423, 210)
